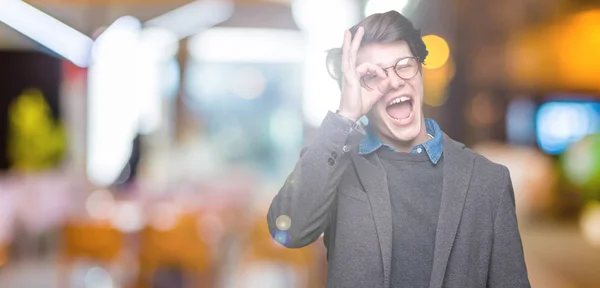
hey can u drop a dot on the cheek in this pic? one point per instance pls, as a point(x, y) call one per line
point(377, 107)
point(417, 86)
point(377, 112)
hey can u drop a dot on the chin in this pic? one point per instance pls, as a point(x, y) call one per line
point(407, 132)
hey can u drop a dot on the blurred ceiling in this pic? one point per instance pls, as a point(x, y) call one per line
point(87, 16)
point(480, 31)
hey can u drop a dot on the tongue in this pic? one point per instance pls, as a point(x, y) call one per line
point(400, 110)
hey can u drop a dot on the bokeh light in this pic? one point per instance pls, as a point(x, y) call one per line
point(581, 163)
point(569, 45)
point(282, 237)
point(283, 222)
point(164, 216)
point(128, 217)
point(590, 223)
point(439, 51)
point(98, 277)
point(483, 110)
point(561, 123)
point(577, 37)
point(438, 70)
point(100, 204)
point(435, 83)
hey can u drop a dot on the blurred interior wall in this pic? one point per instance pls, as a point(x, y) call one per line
point(22, 70)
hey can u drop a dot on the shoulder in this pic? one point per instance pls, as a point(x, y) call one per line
point(492, 173)
point(484, 165)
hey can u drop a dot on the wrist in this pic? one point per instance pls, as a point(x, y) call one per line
point(348, 116)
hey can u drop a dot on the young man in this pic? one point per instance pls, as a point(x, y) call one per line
point(399, 202)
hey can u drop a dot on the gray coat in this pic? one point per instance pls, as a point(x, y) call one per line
point(335, 191)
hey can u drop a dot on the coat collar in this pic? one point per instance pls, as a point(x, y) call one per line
point(432, 147)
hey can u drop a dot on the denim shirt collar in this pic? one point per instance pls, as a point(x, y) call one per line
point(433, 147)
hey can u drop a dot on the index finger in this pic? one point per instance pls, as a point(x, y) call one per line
point(367, 67)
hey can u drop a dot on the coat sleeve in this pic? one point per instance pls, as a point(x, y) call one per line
point(299, 213)
point(507, 266)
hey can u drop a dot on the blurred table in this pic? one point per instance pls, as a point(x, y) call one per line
point(558, 256)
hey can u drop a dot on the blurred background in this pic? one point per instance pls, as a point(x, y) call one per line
point(141, 141)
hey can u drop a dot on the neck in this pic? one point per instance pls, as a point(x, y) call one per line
point(406, 146)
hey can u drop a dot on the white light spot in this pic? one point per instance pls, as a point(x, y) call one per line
point(382, 6)
point(165, 216)
point(283, 222)
point(113, 82)
point(97, 277)
point(100, 204)
point(590, 224)
point(128, 217)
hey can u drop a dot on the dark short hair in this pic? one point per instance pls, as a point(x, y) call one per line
point(385, 27)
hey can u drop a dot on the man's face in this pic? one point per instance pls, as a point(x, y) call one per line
point(400, 122)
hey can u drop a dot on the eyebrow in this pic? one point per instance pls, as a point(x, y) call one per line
point(395, 61)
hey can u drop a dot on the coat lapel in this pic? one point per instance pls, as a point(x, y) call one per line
point(458, 166)
point(373, 178)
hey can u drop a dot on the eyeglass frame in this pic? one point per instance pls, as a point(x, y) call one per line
point(362, 81)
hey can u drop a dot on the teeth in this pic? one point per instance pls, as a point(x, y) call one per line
point(399, 100)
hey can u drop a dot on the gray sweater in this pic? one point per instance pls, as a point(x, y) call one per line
point(415, 186)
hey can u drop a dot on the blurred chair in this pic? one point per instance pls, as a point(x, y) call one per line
point(95, 241)
point(176, 249)
point(3, 256)
point(266, 263)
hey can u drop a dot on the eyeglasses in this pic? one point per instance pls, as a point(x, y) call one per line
point(406, 68)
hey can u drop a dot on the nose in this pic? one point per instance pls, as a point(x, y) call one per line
point(395, 81)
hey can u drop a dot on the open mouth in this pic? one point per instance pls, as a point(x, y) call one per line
point(400, 109)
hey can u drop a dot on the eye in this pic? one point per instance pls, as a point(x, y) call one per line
point(403, 62)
